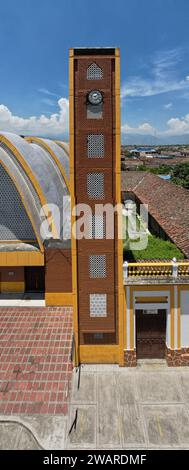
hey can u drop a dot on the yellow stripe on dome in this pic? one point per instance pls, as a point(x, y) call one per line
point(32, 178)
point(25, 205)
point(46, 147)
point(64, 146)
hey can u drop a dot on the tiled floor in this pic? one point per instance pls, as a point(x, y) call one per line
point(35, 360)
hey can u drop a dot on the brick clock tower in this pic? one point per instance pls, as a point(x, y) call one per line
point(95, 179)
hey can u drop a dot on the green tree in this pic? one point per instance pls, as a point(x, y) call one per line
point(180, 175)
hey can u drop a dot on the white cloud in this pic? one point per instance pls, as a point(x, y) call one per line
point(168, 105)
point(178, 126)
point(175, 126)
point(45, 91)
point(56, 124)
point(163, 70)
point(144, 128)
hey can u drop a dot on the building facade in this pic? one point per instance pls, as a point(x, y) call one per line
point(122, 312)
point(34, 177)
point(95, 179)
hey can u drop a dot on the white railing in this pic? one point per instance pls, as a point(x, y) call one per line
point(152, 269)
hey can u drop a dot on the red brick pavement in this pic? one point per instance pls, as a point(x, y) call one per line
point(35, 363)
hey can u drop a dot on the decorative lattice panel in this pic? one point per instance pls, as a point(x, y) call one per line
point(95, 146)
point(98, 226)
point(14, 222)
point(94, 72)
point(98, 305)
point(97, 266)
point(95, 185)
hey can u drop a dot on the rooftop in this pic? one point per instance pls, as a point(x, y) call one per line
point(167, 203)
point(34, 174)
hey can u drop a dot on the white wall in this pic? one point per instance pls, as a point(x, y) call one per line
point(184, 305)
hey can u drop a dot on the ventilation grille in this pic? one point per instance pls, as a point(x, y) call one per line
point(98, 336)
point(95, 147)
point(94, 72)
point(14, 222)
point(97, 266)
point(95, 185)
point(98, 305)
point(98, 226)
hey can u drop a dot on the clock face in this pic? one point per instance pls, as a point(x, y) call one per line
point(95, 97)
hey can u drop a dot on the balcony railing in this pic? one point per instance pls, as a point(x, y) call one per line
point(159, 270)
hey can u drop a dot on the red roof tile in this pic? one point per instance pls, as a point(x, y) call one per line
point(167, 203)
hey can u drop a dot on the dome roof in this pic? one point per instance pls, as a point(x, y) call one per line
point(39, 169)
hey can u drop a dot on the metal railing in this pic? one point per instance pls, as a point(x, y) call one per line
point(152, 269)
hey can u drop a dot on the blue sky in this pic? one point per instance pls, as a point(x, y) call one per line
point(35, 36)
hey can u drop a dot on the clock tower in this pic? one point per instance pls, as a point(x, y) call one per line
point(95, 179)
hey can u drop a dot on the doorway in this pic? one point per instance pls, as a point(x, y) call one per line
point(150, 333)
point(35, 279)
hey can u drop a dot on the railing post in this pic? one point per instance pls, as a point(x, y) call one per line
point(174, 268)
point(125, 270)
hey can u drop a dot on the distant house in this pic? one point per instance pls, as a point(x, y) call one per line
point(143, 151)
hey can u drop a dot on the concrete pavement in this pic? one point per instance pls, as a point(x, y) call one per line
point(29, 299)
point(113, 408)
point(121, 408)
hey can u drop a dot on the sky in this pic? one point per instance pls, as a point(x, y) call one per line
point(153, 36)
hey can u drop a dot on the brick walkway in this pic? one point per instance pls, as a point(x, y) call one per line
point(35, 364)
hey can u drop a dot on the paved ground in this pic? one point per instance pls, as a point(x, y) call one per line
point(35, 365)
point(116, 408)
point(147, 407)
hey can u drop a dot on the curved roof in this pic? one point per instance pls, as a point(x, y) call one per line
point(40, 171)
point(56, 153)
point(64, 145)
point(30, 203)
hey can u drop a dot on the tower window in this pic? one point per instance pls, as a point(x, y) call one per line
point(95, 146)
point(98, 305)
point(94, 72)
point(97, 226)
point(95, 185)
point(97, 266)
